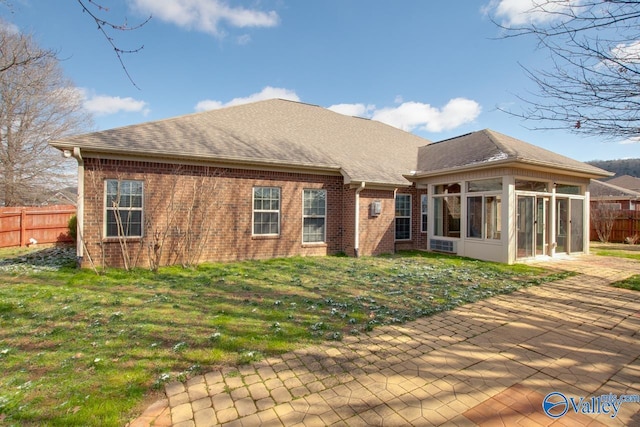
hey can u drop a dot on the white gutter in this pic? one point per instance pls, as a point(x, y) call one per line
point(80, 206)
point(356, 244)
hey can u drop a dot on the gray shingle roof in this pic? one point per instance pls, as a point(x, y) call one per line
point(275, 132)
point(295, 135)
point(489, 148)
point(599, 189)
point(626, 181)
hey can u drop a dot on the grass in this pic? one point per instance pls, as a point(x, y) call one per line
point(81, 349)
point(621, 251)
point(632, 283)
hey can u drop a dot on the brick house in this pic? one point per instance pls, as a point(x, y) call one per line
point(280, 178)
point(613, 197)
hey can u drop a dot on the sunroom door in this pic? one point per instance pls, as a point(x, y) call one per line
point(562, 225)
point(542, 213)
point(525, 230)
point(577, 225)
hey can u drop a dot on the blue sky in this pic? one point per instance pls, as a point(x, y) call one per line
point(434, 68)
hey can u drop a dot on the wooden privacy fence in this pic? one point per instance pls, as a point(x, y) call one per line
point(45, 224)
point(626, 224)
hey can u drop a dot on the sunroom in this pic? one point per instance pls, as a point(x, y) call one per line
point(501, 199)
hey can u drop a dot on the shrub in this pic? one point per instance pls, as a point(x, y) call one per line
point(73, 227)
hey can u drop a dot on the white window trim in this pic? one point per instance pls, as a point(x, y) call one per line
point(324, 236)
point(404, 216)
point(254, 211)
point(442, 198)
point(484, 224)
point(111, 208)
point(424, 213)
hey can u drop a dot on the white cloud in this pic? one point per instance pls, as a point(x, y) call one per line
point(627, 53)
point(103, 105)
point(407, 116)
point(523, 12)
point(632, 140)
point(9, 27)
point(208, 104)
point(357, 110)
point(205, 15)
point(266, 93)
point(410, 116)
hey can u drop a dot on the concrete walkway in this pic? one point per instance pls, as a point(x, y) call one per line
point(490, 363)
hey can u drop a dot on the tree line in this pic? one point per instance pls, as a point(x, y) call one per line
point(619, 167)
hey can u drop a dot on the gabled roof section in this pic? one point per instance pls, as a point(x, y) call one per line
point(626, 181)
point(602, 190)
point(275, 133)
point(487, 148)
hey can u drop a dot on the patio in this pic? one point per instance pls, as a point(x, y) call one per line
point(488, 363)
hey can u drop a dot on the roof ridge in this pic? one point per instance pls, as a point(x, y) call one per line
point(492, 135)
point(452, 138)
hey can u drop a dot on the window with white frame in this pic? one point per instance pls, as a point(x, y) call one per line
point(314, 208)
point(123, 208)
point(446, 210)
point(266, 211)
point(484, 217)
point(403, 216)
point(424, 212)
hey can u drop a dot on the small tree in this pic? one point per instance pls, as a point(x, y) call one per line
point(179, 224)
point(37, 104)
point(603, 217)
point(197, 225)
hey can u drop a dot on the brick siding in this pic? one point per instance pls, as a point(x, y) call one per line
point(176, 191)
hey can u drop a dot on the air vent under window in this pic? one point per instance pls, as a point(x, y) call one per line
point(448, 246)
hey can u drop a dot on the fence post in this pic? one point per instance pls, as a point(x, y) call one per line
point(23, 227)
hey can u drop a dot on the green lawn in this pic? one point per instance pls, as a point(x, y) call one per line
point(81, 349)
point(632, 283)
point(621, 251)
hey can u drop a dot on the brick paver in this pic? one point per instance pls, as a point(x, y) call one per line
point(487, 363)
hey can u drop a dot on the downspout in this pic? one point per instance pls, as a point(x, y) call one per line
point(356, 244)
point(79, 207)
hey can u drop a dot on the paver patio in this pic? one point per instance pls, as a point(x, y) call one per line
point(490, 363)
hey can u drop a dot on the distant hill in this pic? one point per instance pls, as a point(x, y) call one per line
point(619, 167)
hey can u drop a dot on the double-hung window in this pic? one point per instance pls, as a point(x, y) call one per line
point(314, 208)
point(403, 217)
point(123, 208)
point(424, 212)
point(266, 211)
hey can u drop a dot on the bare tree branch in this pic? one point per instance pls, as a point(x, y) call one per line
point(593, 84)
point(104, 26)
point(37, 104)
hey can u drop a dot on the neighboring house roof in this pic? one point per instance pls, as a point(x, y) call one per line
point(276, 133)
point(65, 196)
point(606, 190)
point(626, 181)
point(487, 148)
